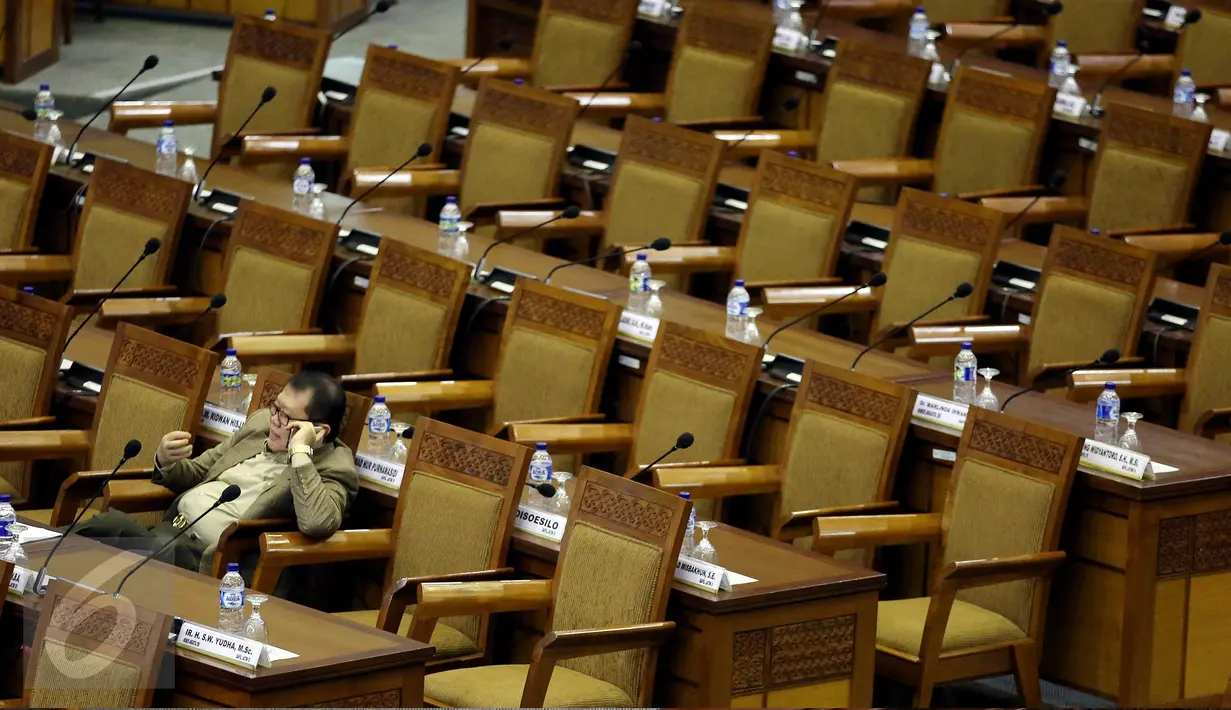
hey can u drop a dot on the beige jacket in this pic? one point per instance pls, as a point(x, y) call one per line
point(316, 495)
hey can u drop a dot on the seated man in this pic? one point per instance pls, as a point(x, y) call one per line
point(286, 461)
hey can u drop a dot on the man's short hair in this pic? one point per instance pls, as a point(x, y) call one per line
point(327, 400)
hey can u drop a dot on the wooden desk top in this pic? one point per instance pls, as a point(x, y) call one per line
point(327, 645)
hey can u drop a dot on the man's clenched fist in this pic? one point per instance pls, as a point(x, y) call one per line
point(175, 446)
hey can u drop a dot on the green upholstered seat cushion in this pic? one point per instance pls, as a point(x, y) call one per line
point(648, 202)
point(1097, 26)
point(403, 334)
point(813, 477)
point(541, 376)
point(861, 122)
point(922, 274)
point(134, 410)
point(264, 293)
point(449, 642)
point(505, 165)
point(1136, 190)
point(502, 686)
point(708, 84)
point(1076, 320)
point(111, 241)
point(373, 143)
point(899, 625)
point(246, 80)
point(1204, 48)
point(674, 404)
point(575, 51)
point(13, 195)
point(68, 676)
point(1210, 370)
point(785, 242)
point(962, 160)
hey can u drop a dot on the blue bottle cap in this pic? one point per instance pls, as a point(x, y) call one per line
point(168, 123)
point(641, 256)
point(1096, 231)
point(27, 289)
point(305, 161)
point(380, 399)
point(232, 566)
point(686, 495)
point(230, 352)
point(451, 200)
point(1109, 387)
point(739, 282)
point(658, 119)
point(967, 346)
point(44, 87)
point(918, 8)
point(541, 446)
point(393, 46)
point(519, 82)
point(5, 497)
point(1185, 72)
point(792, 154)
point(1062, 43)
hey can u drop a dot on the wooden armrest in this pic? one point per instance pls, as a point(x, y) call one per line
point(900, 328)
point(718, 481)
point(274, 149)
point(933, 340)
point(370, 379)
point(576, 643)
point(1087, 385)
point(1212, 421)
point(888, 171)
point(613, 104)
point(27, 268)
point(1046, 210)
point(43, 444)
point(784, 302)
point(1044, 376)
point(26, 423)
point(499, 67)
point(1177, 247)
point(504, 428)
point(127, 115)
point(405, 183)
point(1025, 190)
point(680, 259)
point(575, 438)
point(243, 536)
point(967, 574)
point(404, 592)
point(266, 349)
point(852, 10)
point(1101, 66)
point(1166, 229)
point(790, 283)
point(587, 224)
point(798, 524)
point(294, 549)
point(442, 600)
point(219, 340)
point(137, 495)
point(967, 33)
point(860, 531)
point(83, 485)
point(155, 311)
point(489, 212)
point(708, 125)
point(742, 144)
point(430, 396)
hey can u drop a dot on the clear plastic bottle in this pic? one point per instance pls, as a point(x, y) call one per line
point(1107, 416)
point(1184, 98)
point(231, 600)
point(14, 552)
point(232, 382)
point(540, 472)
point(687, 546)
point(791, 33)
point(380, 428)
point(270, 15)
point(1058, 66)
point(639, 284)
point(305, 178)
point(918, 33)
point(7, 514)
point(450, 217)
point(737, 307)
point(965, 381)
point(44, 105)
point(6, 542)
point(167, 161)
point(188, 171)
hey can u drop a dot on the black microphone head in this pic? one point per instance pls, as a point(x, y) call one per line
point(218, 300)
point(1192, 16)
point(152, 245)
point(382, 6)
point(660, 244)
point(1225, 237)
point(268, 94)
point(964, 289)
point(505, 43)
point(1054, 8)
point(878, 279)
point(1110, 357)
point(1057, 180)
point(570, 212)
point(790, 104)
point(150, 62)
point(409, 433)
point(632, 48)
point(683, 441)
point(132, 448)
point(425, 149)
point(231, 493)
point(29, 114)
point(546, 490)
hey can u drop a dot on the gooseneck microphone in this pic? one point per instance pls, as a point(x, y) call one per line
point(963, 290)
point(632, 48)
point(131, 450)
point(816, 24)
point(1096, 106)
point(382, 6)
point(150, 62)
point(217, 301)
point(1052, 8)
point(545, 489)
point(503, 44)
point(1110, 357)
point(424, 150)
point(1055, 183)
point(789, 105)
point(570, 212)
point(660, 244)
point(683, 441)
point(152, 245)
point(231, 493)
point(878, 279)
point(266, 96)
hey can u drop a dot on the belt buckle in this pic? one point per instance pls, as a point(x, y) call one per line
point(179, 522)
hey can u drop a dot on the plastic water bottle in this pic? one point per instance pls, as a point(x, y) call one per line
point(781, 8)
point(270, 15)
point(1184, 98)
point(687, 546)
point(304, 179)
point(6, 542)
point(8, 516)
point(791, 34)
point(737, 308)
point(232, 381)
point(44, 105)
point(1058, 67)
point(450, 217)
point(639, 284)
point(540, 472)
point(964, 368)
point(918, 32)
point(1107, 416)
point(231, 600)
point(380, 429)
point(167, 161)
point(188, 171)
point(10, 547)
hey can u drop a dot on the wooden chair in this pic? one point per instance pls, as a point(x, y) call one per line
point(397, 89)
point(84, 629)
point(276, 263)
point(1144, 175)
point(32, 333)
point(936, 244)
point(411, 290)
point(997, 543)
point(456, 480)
point(1201, 49)
point(23, 173)
point(1092, 296)
point(717, 68)
point(835, 410)
point(1088, 27)
point(606, 605)
point(287, 56)
point(577, 45)
point(514, 153)
point(986, 115)
point(125, 207)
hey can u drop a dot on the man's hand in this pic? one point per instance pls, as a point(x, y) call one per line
point(174, 447)
point(305, 434)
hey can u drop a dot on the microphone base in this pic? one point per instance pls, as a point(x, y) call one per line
point(357, 240)
point(1095, 108)
point(222, 201)
point(502, 279)
point(784, 367)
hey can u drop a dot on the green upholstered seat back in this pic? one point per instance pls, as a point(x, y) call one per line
point(708, 84)
point(264, 293)
point(246, 79)
point(383, 345)
point(1209, 371)
point(111, 240)
point(576, 51)
point(19, 380)
point(814, 477)
point(962, 162)
point(675, 403)
point(1136, 189)
point(1203, 49)
point(648, 202)
point(922, 274)
point(1016, 528)
point(133, 409)
point(954, 10)
point(861, 122)
point(470, 515)
point(606, 580)
point(1076, 320)
point(505, 164)
point(373, 140)
point(69, 676)
point(784, 242)
point(1097, 26)
point(13, 196)
point(541, 376)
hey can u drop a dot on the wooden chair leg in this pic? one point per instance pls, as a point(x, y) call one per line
point(1026, 672)
point(67, 10)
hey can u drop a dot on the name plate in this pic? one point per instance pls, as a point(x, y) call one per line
point(937, 75)
point(236, 650)
point(788, 39)
point(1113, 459)
point(1219, 139)
point(379, 474)
point(702, 575)
point(653, 8)
point(22, 581)
point(941, 412)
point(1070, 105)
point(1175, 17)
point(540, 523)
point(221, 419)
point(638, 326)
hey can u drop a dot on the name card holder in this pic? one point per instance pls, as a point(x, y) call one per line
point(361, 241)
point(788, 40)
point(651, 8)
point(228, 648)
point(1175, 17)
point(702, 575)
point(638, 326)
point(1219, 139)
point(1113, 459)
point(1071, 105)
point(941, 412)
point(540, 523)
point(221, 420)
point(379, 474)
point(22, 581)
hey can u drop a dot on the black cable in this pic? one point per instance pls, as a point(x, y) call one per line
point(196, 254)
point(479, 309)
point(332, 283)
point(756, 420)
point(1159, 333)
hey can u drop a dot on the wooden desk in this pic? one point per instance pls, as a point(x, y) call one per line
point(340, 663)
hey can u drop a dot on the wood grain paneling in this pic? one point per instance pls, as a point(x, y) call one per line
point(834, 694)
point(1167, 663)
point(1085, 626)
point(1103, 538)
point(1208, 643)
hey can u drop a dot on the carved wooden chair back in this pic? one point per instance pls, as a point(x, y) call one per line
point(270, 383)
point(579, 43)
point(721, 51)
point(24, 163)
point(1097, 26)
point(1208, 380)
point(1203, 46)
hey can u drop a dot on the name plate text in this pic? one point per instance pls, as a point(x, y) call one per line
point(540, 523)
point(1113, 459)
point(704, 575)
point(379, 474)
point(653, 8)
point(1070, 105)
point(941, 412)
point(1218, 140)
point(221, 420)
point(236, 650)
point(22, 581)
point(638, 326)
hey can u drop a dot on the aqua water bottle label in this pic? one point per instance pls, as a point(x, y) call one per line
point(230, 600)
point(1105, 411)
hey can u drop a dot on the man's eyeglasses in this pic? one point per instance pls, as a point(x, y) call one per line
point(279, 417)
